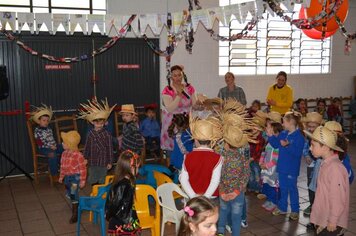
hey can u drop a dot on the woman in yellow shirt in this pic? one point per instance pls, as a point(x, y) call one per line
point(280, 95)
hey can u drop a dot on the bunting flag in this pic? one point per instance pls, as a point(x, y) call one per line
point(61, 19)
point(177, 18)
point(201, 16)
point(43, 18)
point(215, 14)
point(134, 25)
point(97, 20)
point(152, 21)
point(26, 18)
point(112, 23)
point(10, 18)
point(80, 19)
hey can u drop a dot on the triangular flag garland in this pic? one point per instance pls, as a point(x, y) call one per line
point(180, 24)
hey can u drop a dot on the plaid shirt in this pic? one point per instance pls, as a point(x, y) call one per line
point(98, 148)
point(238, 93)
point(72, 162)
point(44, 137)
point(131, 138)
point(256, 149)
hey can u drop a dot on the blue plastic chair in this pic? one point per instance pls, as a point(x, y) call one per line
point(96, 205)
point(147, 172)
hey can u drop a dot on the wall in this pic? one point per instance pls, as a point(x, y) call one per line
point(202, 66)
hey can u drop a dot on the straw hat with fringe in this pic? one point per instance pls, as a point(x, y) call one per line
point(313, 117)
point(210, 102)
point(41, 111)
point(95, 111)
point(260, 119)
point(275, 116)
point(238, 130)
point(206, 129)
point(324, 136)
point(71, 139)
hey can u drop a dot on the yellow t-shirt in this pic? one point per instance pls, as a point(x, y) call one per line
point(282, 96)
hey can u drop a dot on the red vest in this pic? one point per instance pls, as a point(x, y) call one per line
point(200, 164)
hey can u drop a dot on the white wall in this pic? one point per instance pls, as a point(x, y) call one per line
point(202, 66)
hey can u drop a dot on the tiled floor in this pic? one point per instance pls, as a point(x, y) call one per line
point(30, 209)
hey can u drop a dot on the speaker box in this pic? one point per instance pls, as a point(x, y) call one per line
point(4, 83)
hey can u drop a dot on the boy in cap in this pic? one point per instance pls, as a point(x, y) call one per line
point(46, 144)
point(98, 148)
point(73, 170)
point(131, 136)
point(330, 211)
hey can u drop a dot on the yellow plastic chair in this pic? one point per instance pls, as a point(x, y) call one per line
point(94, 191)
point(147, 221)
point(162, 178)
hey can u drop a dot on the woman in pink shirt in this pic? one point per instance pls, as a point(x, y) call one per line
point(330, 210)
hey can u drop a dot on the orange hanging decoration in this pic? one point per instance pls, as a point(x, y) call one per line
point(316, 6)
point(313, 33)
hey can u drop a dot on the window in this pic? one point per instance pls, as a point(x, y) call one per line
point(273, 45)
point(55, 6)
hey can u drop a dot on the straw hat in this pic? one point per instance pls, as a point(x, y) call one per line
point(275, 116)
point(235, 136)
point(206, 130)
point(128, 108)
point(260, 119)
point(71, 139)
point(333, 126)
point(324, 136)
point(210, 102)
point(95, 111)
point(41, 111)
point(313, 117)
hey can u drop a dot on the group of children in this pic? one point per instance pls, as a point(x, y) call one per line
point(219, 156)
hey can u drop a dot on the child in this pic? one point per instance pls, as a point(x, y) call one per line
point(255, 106)
point(268, 163)
point(73, 170)
point(321, 108)
point(201, 168)
point(183, 144)
point(312, 121)
point(256, 149)
point(335, 111)
point(290, 143)
point(301, 106)
point(234, 178)
point(98, 148)
point(200, 217)
point(46, 144)
point(119, 208)
point(342, 142)
point(330, 212)
point(151, 130)
point(131, 137)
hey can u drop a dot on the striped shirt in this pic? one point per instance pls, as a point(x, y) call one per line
point(131, 138)
point(98, 148)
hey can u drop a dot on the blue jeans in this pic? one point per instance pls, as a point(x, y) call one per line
point(272, 193)
point(71, 183)
point(255, 177)
point(288, 186)
point(53, 158)
point(231, 211)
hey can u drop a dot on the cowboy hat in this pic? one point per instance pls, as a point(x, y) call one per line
point(71, 139)
point(324, 136)
point(313, 117)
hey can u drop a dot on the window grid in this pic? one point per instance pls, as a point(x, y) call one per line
point(273, 45)
point(46, 6)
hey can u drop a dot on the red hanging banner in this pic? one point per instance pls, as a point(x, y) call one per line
point(128, 66)
point(58, 67)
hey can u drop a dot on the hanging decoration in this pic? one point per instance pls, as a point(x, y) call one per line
point(84, 57)
point(331, 24)
point(313, 33)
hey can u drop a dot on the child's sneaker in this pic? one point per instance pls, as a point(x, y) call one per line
point(244, 224)
point(277, 212)
point(271, 207)
point(261, 196)
point(265, 204)
point(228, 229)
point(294, 216)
